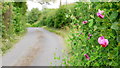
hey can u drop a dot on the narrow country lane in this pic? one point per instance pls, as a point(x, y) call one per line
point(37, 48)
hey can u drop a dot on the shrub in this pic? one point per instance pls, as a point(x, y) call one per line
point(12, 22)
point(87, 27)
point(55, 17)
point(33, 15)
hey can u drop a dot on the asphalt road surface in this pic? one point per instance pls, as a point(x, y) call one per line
point(37, 48)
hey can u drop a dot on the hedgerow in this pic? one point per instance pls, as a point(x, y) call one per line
point(13, 22)
point(95, 34)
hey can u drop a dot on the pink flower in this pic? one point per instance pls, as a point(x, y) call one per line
point(89, 35)
point(87, 57)
point(102, 41)
point(99, 13)
point(84, 22)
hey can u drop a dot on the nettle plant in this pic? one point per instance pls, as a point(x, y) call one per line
point(95, 35)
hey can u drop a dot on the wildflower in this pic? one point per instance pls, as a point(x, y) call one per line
point(102, 41)
point(87, 57)
point(84, 22)
point(99, 13)
point(89, 35)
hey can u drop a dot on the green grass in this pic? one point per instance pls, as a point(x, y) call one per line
point(7, 44)
point(61, 32)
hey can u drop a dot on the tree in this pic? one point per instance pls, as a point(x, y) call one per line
point(33, 15)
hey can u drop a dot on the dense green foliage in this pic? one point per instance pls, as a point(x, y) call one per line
point(55, 17)
point(80, 41)
point(83, 38)
point(13, 22)
point(33, 15)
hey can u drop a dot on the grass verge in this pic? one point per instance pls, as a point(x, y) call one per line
point(61, 32)
point(7, 44)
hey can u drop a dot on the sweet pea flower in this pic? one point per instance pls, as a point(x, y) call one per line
point(87, 57)
point(89, 35)
point(84, 22)
point(99, 13)
point(102, 41)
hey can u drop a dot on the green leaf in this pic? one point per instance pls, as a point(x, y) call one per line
point(92, 16)
point(113, 15)
point(115, 26)
point(90, 22)
point(118, 36)
point(95, 27)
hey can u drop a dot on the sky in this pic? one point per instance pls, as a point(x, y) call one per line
point(34, 4)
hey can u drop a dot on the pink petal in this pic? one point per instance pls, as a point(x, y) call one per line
point(100, 11)
point(87, 57)
point(101, 16)
point(106, 41)
point(98, 14)
point(100, 39)
point(89, 34)
point(84, 22)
